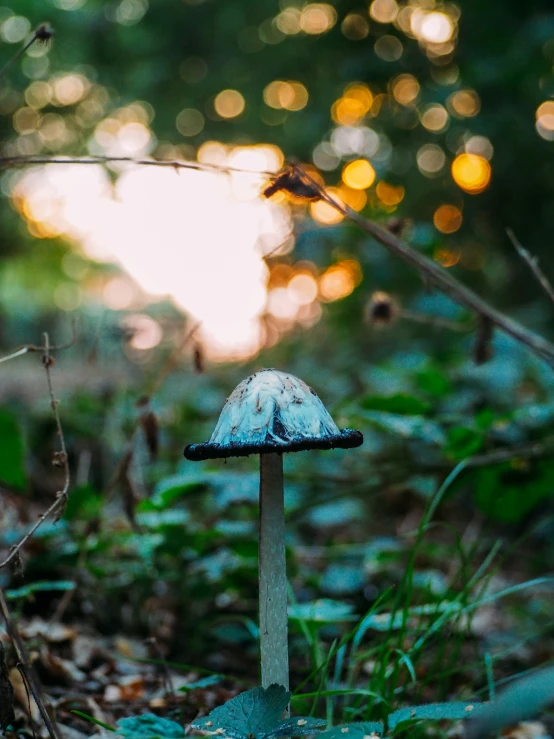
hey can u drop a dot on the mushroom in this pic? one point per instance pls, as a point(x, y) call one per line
point(270, 413)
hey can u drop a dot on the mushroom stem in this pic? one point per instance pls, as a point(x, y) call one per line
point(272, 574)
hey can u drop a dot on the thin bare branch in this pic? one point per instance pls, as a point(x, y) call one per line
point(33, 348)
point(54, 508)
point(61, 458)
point(441, 279)
point(26, 161)
point(533, 263)
point(27, 670)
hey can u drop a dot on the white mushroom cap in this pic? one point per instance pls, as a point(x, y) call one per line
point(269, 412)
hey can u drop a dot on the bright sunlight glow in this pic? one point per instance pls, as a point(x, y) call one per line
point(193, 236)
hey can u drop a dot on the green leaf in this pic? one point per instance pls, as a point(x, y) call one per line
point(408, 427)
point(433, 381)
point(433, 712)
point(12, 454)
point(507, 493)
point(255, 713)
point(323, 610)
point(93, 720)
point(356, 730)
point(535, 416)
point(296, 727)
point(463, 442)
point(399, 403)
point(386, 621)
point(204, 682)
point(84, 504)
point(174, 487)
point(40, 587)
point(149, 726)
point(520, 701)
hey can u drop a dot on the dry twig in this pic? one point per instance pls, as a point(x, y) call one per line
point(26, 670)
point(441, 279)
point(25, 161)
point(61, 457)
point(533, 264)
point(33, 348)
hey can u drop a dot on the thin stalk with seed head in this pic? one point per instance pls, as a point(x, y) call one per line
point(42, 33)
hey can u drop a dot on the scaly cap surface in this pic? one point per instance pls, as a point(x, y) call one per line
point(270, 412)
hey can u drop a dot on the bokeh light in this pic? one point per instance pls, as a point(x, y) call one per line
point(189, 122)
point(287, 95)
point(389, 195)
point(447, 257)
point(464, 103)
point(70, 88)
point(318, 18)
point(355, 103)
point(430, 159)
point(545, 120)
point(280, 304)
point(145, 333)
point(38, 94)
point(359, 174)
point(405, 89)
point(356, 199)
point(229, 103)
point(388, 48)
point(289, 21)
point(26, 120)
point(339, 280)
point(325, 213)
point(434, 118)
point(14, 29)
point(383, 11)
point(325, 156)
point(447, 218)
point(118, 294)
point(434, 27)
point(302, 289)
point(355, 27)
point(471, 172)
point(479, 145)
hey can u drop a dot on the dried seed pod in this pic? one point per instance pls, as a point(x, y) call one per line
point(198, 359)
point(292, 182)
point(151, 429)
point(131, 498)
point(17, 564)
point(59, 459)
point(382, 309)
point(44, 33)
point(150, 426)
point(483, 350)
